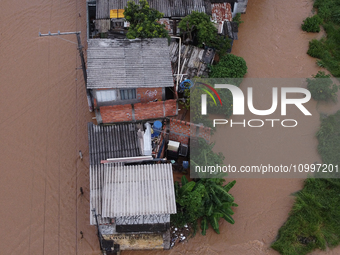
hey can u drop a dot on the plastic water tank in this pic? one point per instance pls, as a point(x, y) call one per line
point(157, 128)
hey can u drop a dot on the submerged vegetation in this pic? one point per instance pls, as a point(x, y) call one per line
point(328, 48)
point(204, 200)
point(322, 87)
point(314, 220)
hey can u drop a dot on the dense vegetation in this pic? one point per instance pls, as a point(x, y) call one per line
point(143, 21)
point(328, 48)
point(198, 26)
point(314, 220)
point(205, 200)
point(312, 24)
point(229, 66)
point(322, 87)
point(203, 155)
point(230, 69)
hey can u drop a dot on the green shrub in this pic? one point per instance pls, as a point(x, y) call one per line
point(237, 19)
point(207, 200)
point(322, 87)
point(316, 49)
point(143, 21)
point(328, 48)
point(312, 24)
point(199, 24)
point(229, 66)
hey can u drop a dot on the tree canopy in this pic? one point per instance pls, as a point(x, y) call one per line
point(143, 21)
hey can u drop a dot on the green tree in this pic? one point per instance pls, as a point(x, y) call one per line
point(143, 21)
point(198, 24)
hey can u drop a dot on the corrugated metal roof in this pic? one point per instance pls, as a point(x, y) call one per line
point(241, 6)
point(170, 8)
point(138, 190)
point(194, 60)
point(123, 63)
point(149, 187)
point(221, 12)
point(96, 187)
point(114, 141)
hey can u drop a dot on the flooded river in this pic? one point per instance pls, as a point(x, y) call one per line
point(43, 127)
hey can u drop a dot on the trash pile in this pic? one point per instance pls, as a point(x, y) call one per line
point(179, 235)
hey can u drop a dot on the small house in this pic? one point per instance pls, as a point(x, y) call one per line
point(130, 80)
point(131, 200)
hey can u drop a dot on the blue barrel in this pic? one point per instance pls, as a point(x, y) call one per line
point(185, 164)
point(157, 128)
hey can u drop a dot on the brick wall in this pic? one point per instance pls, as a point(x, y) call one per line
point(151, 110)
point(146, 95)
point(180, 131)
point(116, 113)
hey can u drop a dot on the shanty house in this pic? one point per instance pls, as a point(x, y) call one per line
point(130, 203)
point(130, 80)
point(237, 6)
point(109, 13)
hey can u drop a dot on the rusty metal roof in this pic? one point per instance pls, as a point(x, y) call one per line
point(221, 12)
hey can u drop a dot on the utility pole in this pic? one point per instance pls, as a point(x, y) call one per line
point(82, 58)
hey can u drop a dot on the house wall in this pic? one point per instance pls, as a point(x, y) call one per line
point(181, 131)
point(116, 113)
point(143, 95)
point(146, 95)
point(139, 241)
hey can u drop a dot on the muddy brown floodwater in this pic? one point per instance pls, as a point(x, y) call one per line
point(43, 126)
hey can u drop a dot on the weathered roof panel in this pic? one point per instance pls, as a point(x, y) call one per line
point(126, 192)
point(138, 190)
point(194, 61)
point(114, 141)
point(170, 8)
point(123, 63)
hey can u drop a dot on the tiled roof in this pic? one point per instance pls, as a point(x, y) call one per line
point(124, 63)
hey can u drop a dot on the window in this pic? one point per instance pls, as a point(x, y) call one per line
point(126, 94)
point(106, 95)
